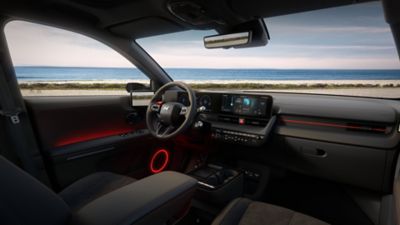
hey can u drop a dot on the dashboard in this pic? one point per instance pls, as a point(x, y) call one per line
point(319, 135)
point(244, 119)
point(247, 118)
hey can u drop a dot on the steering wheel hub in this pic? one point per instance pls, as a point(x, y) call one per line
point(170, 113)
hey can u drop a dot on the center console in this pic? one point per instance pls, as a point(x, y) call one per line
point(242, 119)
point(221, 184)
point(218, 184)
point(229, 119)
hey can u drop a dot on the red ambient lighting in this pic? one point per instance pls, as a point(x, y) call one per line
point(158, 154)
point(89, 136)
point(324, 124)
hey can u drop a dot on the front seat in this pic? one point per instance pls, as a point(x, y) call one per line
point(91, 187)
point(19, 191)
point(101, 198)
point(243, 211)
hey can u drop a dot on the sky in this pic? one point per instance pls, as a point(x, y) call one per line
point(349, 37)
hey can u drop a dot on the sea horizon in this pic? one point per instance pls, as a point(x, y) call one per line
point(66, 73)
point(205, 68)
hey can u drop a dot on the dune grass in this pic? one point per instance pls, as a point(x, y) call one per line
point(117, 86)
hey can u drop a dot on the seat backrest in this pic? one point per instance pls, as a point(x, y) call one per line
point(24, 200)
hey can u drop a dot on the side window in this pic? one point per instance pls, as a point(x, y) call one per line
point(53, 62)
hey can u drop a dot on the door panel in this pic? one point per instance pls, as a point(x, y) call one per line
point(82, 135)
point(62, 121)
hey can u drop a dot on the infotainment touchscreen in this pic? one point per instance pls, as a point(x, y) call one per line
point(245, 105)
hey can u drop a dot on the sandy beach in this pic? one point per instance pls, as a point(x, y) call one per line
point(368, 88)
point(366, 92)
point(275, 82)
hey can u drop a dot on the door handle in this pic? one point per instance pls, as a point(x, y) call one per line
point(316, 152)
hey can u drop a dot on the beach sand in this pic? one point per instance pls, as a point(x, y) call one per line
point(276, 82)
point(366, 92)
point(382, 88)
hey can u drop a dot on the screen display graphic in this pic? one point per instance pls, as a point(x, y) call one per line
point(244, 105)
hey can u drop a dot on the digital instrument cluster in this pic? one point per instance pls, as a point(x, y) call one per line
point(256, 106)
point(202, 100)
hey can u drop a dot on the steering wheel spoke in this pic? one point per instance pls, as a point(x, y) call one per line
point(161, 129)
point(154, 107)
point(184, 111)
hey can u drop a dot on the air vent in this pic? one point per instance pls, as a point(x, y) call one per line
point(247, 121)
point(101, 3)
point(228, 119)
point(256, 122)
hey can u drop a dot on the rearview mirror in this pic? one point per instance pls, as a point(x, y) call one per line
point(227, 40)
point(253, 33)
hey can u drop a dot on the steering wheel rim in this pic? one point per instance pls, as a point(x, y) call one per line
point(157, 114)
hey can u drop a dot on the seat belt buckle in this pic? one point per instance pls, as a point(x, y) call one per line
point(13, 115)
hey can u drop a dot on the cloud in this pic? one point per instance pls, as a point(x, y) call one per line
point(359, 29)
point(339, 47)
point(333, 29)
point(32, 44)
point(180, 61)
point(314, 46)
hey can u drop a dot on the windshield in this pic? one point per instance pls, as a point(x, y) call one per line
point(344, 50)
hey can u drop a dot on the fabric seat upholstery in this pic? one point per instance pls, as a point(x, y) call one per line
point(101, 198)
point(24, 200)
point(246, 212)
point(92, 187)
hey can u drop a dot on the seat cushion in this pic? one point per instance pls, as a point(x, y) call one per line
point(91, 187)
point(25, 200)
point(246, 212)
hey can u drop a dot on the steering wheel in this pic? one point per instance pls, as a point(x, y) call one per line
point(168, 119)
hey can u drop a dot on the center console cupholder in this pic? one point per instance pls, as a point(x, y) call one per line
point(221, 177)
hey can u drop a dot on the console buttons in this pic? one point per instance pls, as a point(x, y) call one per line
point(252, 175)
point(238, 137)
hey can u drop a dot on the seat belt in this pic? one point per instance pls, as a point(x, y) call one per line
point(16, 131)
point(19, 129)
point(5, 148)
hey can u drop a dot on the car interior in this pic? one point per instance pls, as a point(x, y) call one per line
point(192, 156)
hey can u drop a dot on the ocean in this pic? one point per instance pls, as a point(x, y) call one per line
point(43, 74)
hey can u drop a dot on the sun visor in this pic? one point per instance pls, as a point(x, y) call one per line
point(145, 27)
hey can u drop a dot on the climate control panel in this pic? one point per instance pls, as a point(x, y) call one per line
point(236, 137)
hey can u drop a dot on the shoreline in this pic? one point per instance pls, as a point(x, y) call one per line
point(360, 92)
point(361, 88)
point(217, 84)
point(217, 81)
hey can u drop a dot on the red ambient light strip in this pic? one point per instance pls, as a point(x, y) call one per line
point(164, 164)
point(323, 124)
point(89, 136)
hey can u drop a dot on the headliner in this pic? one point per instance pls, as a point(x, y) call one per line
point(143, 18)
